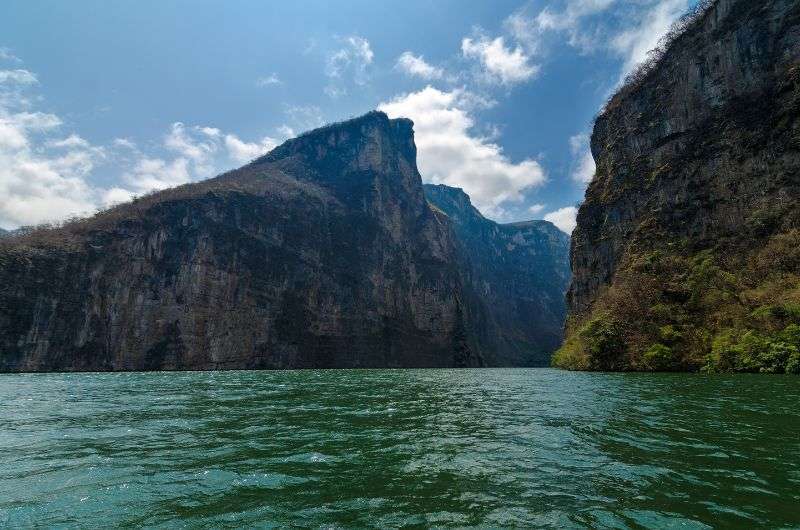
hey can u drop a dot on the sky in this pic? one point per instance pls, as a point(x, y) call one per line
point(103, 101)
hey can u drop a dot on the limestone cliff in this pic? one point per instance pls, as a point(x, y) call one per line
point(521, 270)
point(685, 254)
point(322, 253)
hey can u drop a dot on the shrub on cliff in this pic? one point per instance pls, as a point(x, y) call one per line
point(711, 310)
point(597, 346)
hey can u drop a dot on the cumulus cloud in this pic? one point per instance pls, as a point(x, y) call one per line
point(243, 152)
point(195, 146)
point(416, 66)
point(536, 209)
point(450, 153)
point(36, 121)
point(198, 151)
point(499, 62)
point(150, 174)
point(72, 140)
point(349, 62)
point(47, 175)
point(583, 162)
point(19, 77)
point(125, 143)
point(563, 218)
point(41, 178)
point(37, 185)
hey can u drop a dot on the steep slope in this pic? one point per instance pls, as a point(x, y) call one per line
point(520, 270)
point(323, 253)
point(686, 256)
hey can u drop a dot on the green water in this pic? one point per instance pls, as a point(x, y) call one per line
point(391, 448)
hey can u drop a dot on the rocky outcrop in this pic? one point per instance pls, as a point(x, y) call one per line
point(322, 253)
point(519, 270)
point(687, 232)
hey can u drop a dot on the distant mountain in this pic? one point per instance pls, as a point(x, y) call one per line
point(13, 233)
point(521, 272)
point(686, 256)
point(323, 253)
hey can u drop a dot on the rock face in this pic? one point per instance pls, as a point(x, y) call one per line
point(322, 253)
point(687, 239)
point(521, 270)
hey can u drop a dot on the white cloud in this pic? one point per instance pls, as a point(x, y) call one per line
point(362, 49)
point(536, 209)
point(125, 142)
point(198, 149)
point(563, 218)
point(6, 55)
point(12, 137)
point(211, 132)
point(48, 176)
point(243, 152)
point(151, 174)
point(116, 195)
point(566, 17)
point(633, 44)
point(35, 185)
point(72, 140)
point(268, 80)
point(583, 165)
point(41, 178)
point(417, 66)
point(626, 29)
point(19, 77)
point(36, 121)
point(449, 153)
point(179, 141)
point(350, 60)
point(286, 131)
point(500, 64)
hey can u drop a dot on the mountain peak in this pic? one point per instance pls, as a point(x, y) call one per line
point(454, 202)
point(351, 136)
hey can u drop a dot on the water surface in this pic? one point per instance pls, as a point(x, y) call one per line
point(391, 448)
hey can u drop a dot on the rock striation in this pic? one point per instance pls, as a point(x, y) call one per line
point(322, 253)
point(685, 253)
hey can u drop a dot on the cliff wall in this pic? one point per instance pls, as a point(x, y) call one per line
point(686, 242)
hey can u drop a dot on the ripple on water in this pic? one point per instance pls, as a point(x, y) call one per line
point(342, 449)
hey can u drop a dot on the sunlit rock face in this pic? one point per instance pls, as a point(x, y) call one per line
point(322, 253)
point(701, 155)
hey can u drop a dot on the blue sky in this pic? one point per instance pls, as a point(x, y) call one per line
point(101, 101)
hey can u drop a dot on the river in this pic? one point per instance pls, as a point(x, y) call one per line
point(399, 448)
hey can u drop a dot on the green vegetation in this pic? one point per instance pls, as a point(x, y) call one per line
point(714, 310)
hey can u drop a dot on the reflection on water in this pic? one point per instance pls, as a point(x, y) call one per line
point(390, 448)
